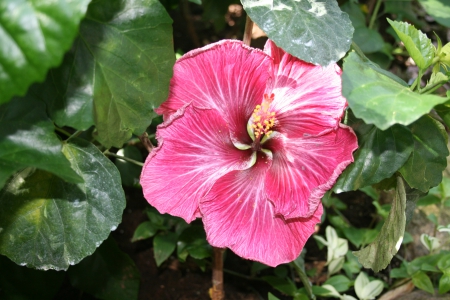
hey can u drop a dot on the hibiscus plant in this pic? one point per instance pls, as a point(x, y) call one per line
point(254, 142)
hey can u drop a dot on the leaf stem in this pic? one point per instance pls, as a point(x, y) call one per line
point(304, 278)
point(248, 31)
point(106, 152)
point(62, 131)
point(217, 292)
point(75, 134)
point(374, 14)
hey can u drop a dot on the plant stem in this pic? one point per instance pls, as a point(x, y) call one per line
point(216, 292)
point(62, 131)
point(375, 13)
point(248, 31)
point(106, 152)
point(75, 134)
point(146, 142)
point(307, 285)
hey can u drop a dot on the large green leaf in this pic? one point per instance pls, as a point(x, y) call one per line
point(34, 36)
point(380, 154)
point(315, 31)
point(379, 253)
point(107, 274)
point(47, 223)
point(424, 167)
point(117, 71)
point(39, 284)
point(438, 9)
point(379, 97)
point(27, 139)
point(419, 46)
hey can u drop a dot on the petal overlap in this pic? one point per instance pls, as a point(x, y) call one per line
point(237, 214)
point(195, 150)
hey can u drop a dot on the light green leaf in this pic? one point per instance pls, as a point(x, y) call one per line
point(379, 155)
point(438, 9)
point(361, 281)
point(379, 97)
point(48, 223)
point(27, 139)
point(163, 246)
point(34, 36)
point(423, 282)
point(372, 290)
point(117, 71)
point(379, 253)
point(339, 282)
point(419, 46)
point(315, 31)
point(424, 167)
point(444, 283)
point(107, 274)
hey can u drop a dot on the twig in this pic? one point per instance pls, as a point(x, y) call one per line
point(146, 142)
point(248, 31)
point(374, 14)
point(217, 292)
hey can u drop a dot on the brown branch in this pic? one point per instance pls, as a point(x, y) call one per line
point(248, 31)
point(217, 292)
point(146, 142)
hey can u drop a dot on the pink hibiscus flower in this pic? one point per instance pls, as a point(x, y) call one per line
point(251, 142)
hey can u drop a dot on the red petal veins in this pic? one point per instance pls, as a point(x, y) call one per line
point(195, 151)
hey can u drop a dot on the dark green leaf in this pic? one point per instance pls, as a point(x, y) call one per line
point(339, 282)
point(428, 200)
point(34, 36)
point(403, 10)
point(438, 9)
point(379, 155)
point(144, 231)
point(48, 223)
point(317, 32)
point(284, 285)
point(17, 282)
point(443, 111)
point(424, 167)
point(379, 97)
point(107, 274)
point(129, 172)
point(399, 272)
point(423, 282)
point(117, 71)
point(378, 254)
point(419, 46)
point(192, 241)
point(163, 246)
point(27, 139)
point(444, 283)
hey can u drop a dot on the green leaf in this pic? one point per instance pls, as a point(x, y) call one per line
point(444, 263)
point(129, 172)
point(35, 35)
point(39, 284)
point(284, 285)
point(443, 110)
point(379, 253)
point(424, 167)
point(107, 274)
point(339, 282)
point(163, 246)
point(117, 71)
point(379, 155)
point(144, 231)
point(368, 40)
point(48, 223)
point(419, 46)
point(316, 32)
point(27, 139)
point(192, 241)
point(444, 283)
point(379, 97)
point(272, 297)
point(423, 282)
point(438, 9)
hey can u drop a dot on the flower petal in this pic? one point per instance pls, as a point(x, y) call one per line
point(195, 150)
point(237, 214)
point(308, 98)
point(303, 169)
point(227, 76)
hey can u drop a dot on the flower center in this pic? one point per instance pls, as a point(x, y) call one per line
point(263, 119)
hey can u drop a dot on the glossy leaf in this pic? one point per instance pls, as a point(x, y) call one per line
point(27, 139)
point(438, 9)
point(316, 32)
point(107, 274)
point(117, 71)
point(379, 155)
point(379, 253)
point(424, 167)
point(39, 284)
point(34, 36)
point(163, 246)
point(419, 46)
point(48, 223)
point(379, 97)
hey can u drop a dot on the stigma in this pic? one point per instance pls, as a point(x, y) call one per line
point(263, 120)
